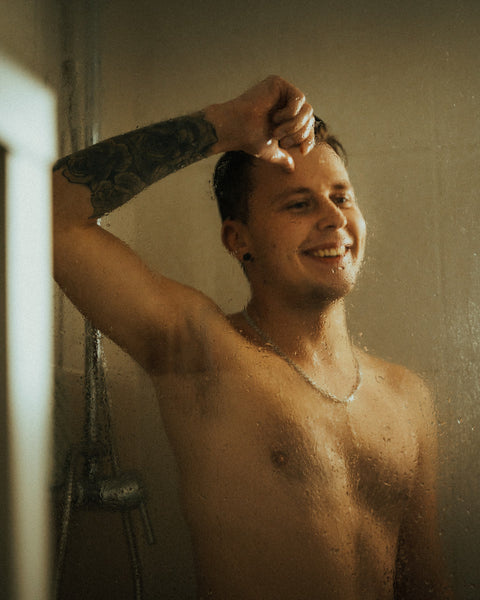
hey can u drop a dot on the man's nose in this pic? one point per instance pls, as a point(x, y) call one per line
point(330, 216)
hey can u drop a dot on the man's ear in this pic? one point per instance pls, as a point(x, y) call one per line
point(235, 237)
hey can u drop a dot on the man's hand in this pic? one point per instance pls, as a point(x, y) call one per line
point(265, 121)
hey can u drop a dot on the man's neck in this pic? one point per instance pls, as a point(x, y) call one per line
point(310, 334)
point(314, 341)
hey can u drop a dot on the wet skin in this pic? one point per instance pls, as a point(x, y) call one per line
point(289, 495)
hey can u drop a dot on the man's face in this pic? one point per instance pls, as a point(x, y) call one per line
point(305, 230)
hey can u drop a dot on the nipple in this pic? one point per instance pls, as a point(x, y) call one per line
point(279, 458)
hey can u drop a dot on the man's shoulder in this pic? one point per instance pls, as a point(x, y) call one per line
point(399, 380)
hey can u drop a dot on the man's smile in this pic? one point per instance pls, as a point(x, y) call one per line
point(333, 250)
point(328, 252)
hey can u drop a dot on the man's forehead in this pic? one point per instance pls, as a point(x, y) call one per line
point(292, 190)
point(322, 156)
point(321, 165)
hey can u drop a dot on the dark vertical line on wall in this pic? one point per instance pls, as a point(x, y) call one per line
point(5, 532)
point(95, 389)
point(68, 115)
point(69, 80)
point(92, 75)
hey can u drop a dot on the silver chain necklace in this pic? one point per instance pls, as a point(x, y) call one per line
point(301, 372)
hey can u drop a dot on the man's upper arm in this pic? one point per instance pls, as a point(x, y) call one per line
point(144, 313)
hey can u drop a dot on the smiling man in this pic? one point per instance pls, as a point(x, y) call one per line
point(307, 467)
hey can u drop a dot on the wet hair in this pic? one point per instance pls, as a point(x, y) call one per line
point(232, 181)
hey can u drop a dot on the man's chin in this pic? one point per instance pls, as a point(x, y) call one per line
point(323, 294)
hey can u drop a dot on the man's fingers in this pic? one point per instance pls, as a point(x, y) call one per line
point(272, 153)
point(304, 134)
point(297, 138)
point(304, 118)
point(308, 144)
point(292, 101)
point(290, 110)
point(284, 160)
point(267, 120)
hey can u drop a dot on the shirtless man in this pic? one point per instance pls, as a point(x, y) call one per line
point(307, 467)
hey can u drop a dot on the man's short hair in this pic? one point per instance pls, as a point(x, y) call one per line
point(232, 182)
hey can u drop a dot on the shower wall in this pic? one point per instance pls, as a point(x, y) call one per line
point(397, 83)
point(30, 34)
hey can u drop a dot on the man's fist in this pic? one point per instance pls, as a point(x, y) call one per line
point(265, 121)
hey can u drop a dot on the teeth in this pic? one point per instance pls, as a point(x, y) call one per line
point(329, 252)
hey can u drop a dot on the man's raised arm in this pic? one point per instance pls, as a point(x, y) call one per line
point(139, 310)
point(119, 168)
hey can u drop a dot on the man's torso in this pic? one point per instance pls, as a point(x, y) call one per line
point(287, 494)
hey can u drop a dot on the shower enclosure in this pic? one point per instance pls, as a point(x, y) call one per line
point(395, 82)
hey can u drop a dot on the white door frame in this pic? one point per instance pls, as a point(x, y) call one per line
point(28, 138)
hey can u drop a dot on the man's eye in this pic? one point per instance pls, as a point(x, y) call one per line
point(340, 199)
point(298, 205)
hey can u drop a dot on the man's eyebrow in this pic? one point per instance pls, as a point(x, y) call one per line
point(291, 192)
point(341, 186)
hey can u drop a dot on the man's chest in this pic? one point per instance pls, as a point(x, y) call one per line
point(345, 452)
point(269, 434)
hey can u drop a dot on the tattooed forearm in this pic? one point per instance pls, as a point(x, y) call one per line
point(119, 168)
